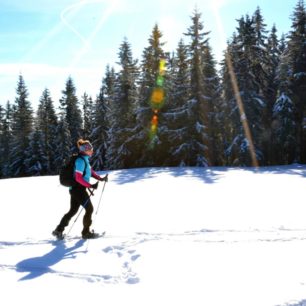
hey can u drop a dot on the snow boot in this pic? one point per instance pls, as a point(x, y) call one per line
point(89, 235)
point(58, 234)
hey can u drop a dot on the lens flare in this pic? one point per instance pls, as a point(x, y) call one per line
point(160, 81)
point(157, 99)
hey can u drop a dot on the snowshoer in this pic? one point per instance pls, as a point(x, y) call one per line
point(78, 194)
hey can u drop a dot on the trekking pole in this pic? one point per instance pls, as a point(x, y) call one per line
point(97, 210)
point(101, 195)
point(83, 206)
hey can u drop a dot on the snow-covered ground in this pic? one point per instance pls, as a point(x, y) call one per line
point(174, 236)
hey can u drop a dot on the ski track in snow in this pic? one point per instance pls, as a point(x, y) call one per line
point(125, 249)
point(300, 303)
point(203, 235)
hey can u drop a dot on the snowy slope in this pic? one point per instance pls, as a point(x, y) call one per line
point(174, 236)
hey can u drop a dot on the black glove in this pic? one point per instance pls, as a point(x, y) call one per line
point(105, 178)
point(95, 185)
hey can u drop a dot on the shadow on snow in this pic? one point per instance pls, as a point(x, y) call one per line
point(38, 266)
point(207, 175)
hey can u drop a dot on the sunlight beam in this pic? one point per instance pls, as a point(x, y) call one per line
point(247, 132)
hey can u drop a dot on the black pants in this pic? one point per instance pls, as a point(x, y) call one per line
point(79, 196)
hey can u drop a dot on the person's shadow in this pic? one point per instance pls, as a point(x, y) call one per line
point(37, 266)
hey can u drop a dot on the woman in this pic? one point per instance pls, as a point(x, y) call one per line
point(78, 193)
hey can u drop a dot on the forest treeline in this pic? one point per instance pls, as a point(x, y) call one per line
point(247, 110)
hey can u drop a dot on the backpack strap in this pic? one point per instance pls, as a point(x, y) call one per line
point(80, 156)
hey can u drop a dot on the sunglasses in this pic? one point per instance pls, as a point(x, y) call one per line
point(86, 147)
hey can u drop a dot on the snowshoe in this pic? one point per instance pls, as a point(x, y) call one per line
point(90, 235)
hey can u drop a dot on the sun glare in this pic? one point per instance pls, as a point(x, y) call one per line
point(216, 5)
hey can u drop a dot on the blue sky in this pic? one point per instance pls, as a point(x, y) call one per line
point(49, 40)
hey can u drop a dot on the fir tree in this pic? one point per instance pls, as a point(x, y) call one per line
point(282, 44)
point(198, 106)
point(46, 125)
point(2, 148)
point(100, 135)
point(175, 113)
point(72, 114)
point(88, 115)
point(122, 139)
point(283, 123)
point(246, 128)
point(99, 132)
point(263, 68)
point(6, 140)
point(296, 54)
point(144, 153)
point(64, 144)
point(229, 103)
point(22, 127)
point(274, 51)
point(36, 161)
point(284, 130)
point(212, 95)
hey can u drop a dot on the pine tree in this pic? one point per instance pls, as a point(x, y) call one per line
point(22, 127)
point(98, 135)
point(283, 125)
point(64, 144)
point(274, 51)
point(246, 127)
point(2, 148)
point(122, 139)
point(282, 44)
point(230, 108)
point(72, 114)
point(6, 140)
point(146, 151)
point(101, 134)
point(198, 106)
point(175, 113)
point(284, 130)
point(46, 125)
point(36, 161)
point(296, 54)
point(212, 94)
point(88, 115)
point(263, 67)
